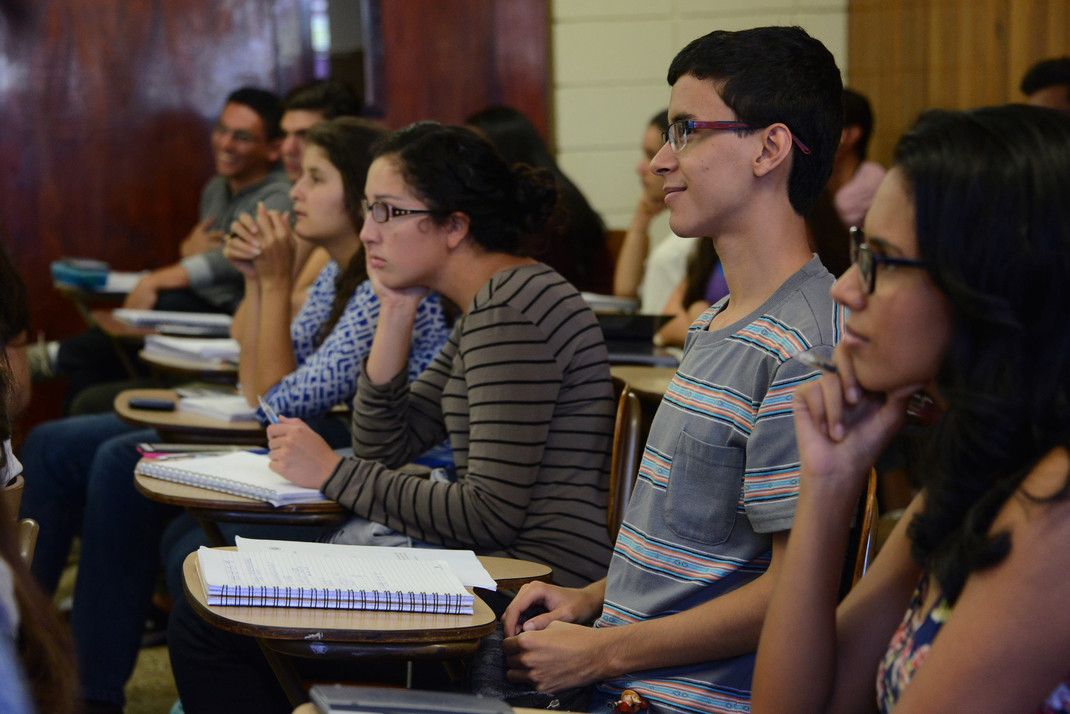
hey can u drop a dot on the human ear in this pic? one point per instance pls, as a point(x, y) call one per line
point(456, 228)
point(776, 147)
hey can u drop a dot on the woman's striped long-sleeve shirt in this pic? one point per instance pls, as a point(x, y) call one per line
point(523, 391)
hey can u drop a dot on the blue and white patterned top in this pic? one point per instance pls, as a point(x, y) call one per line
point(327, 375)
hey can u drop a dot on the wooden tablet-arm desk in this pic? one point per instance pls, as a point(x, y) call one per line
point(178, 426)
point(358, 634)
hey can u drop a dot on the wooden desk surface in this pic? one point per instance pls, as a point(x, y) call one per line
point(189, 367)
point(648, 381)
point(356, 626)
point(185, 426)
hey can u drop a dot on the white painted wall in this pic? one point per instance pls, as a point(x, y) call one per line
point(610, 58)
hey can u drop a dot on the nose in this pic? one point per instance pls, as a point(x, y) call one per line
point(289, 145)
point(847, 290)
point(664, 161)
point(369, 232)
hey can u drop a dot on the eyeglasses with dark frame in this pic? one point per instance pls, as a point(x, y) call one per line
point(676, 136)
point(867, 261)
point(383, 212)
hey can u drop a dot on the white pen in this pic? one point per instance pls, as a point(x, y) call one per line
point(809, 358)
point(270, 413)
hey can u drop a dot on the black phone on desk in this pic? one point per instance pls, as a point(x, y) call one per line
point(355, 699)
point(156, 405)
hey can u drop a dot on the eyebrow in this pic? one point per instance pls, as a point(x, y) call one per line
point(883, 246)
point(682, 116)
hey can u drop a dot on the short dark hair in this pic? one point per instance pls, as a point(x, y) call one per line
point(329, 97)
point(454, 169)
point(857, 112)
point(264, 103)
point(660, 120)
point(769, 75)
point(1047, 73)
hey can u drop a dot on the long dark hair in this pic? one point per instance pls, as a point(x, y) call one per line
point(347, 141)
point(45, 646)
point(993, 228)
point(453, 169)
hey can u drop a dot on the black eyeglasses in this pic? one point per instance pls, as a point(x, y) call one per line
point(867, 261)
point(676, 136)
point(383, 212)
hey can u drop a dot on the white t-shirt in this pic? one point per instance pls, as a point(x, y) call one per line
point(666, 266)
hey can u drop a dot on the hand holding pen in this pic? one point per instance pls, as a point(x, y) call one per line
point(271, 414)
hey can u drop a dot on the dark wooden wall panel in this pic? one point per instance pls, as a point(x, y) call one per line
point(445, 60)
point(106, 108)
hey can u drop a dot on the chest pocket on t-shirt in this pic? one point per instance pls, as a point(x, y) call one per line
point(703, 491)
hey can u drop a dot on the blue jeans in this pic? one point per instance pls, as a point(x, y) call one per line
point(79, 478)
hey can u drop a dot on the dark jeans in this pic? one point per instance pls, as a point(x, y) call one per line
point(79, 479)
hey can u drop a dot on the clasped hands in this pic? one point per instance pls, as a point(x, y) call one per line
point(262, 247)
point(545, 647)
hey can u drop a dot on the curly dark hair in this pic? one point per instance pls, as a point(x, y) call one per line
point(452, 169)
point(993, 229)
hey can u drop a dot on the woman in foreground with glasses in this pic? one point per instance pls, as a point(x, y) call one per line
point(522, 389)
point(959, 288)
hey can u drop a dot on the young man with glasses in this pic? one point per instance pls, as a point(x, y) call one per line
point(755, 120)
point(245, 143)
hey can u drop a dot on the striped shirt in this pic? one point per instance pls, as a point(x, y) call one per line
point(719, 474)
point(523, 391)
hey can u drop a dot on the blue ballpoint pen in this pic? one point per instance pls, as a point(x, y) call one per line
point(270, 413)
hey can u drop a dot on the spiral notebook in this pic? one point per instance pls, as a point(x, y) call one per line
point(240, 473)
point(279, 579)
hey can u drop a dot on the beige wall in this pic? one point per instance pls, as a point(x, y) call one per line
point(609, 63)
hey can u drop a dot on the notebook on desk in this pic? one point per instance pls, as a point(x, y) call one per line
point(197, 349)
point(152, 318)
point(225, 407)
point(270, 578)
point(241, 473)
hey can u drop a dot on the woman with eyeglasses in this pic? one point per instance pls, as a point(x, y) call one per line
point(522, 390)
point(959, 288)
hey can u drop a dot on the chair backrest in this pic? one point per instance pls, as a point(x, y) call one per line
point(627, 446)
point(862, 537)
point(27, 534)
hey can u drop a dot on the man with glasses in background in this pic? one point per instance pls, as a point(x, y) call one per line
point(245, 142)
point(755, 117)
